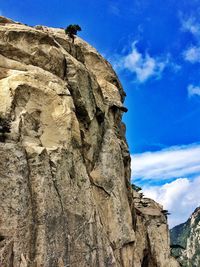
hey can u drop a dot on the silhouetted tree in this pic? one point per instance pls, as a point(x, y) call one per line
point(166, 212)
point(72, 30)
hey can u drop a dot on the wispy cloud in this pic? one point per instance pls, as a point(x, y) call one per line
point(193, 90)
point(142, 65)
point(180, 197)
point(166, 164)
point(114, 8)
point(191, 25)
point(192, 54)
point(171, 177)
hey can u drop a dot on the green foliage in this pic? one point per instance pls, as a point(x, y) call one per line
point(136, 188)
point(179, 235)
point(72, 30)
point(175, 246)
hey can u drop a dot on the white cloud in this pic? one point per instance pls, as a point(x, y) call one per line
point(143, 66)
point(175, 67)
point(193, 90)
point(191, 25)
point(174, 162)
point(154, 170)
point(192, 54)
point(180, 197)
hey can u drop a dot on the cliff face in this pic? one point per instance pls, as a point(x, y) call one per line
point(65, 195)
point(188, 236)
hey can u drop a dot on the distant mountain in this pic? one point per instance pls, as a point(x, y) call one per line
point(187, 235)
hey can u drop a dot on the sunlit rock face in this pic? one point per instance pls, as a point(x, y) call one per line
point(65, 194)
point(188, 236)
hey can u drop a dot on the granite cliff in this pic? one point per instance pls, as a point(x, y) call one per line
point(188, 236)
point(65, 193)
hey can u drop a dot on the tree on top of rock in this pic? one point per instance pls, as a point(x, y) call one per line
point(72, 30)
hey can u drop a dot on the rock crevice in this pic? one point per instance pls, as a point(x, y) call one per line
point(65, 194)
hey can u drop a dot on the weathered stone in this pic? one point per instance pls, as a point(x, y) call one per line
point(65, 196)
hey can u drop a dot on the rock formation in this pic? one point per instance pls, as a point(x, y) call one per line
point(65, 194)
point(188, 236)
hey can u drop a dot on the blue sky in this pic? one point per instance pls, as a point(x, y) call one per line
point(154, 47)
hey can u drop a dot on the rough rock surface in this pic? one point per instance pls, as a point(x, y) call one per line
point(65, 194)
point(188, 236)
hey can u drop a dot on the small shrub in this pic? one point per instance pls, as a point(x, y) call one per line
point(166, 212)
point(136, 188)
point(72, 30)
